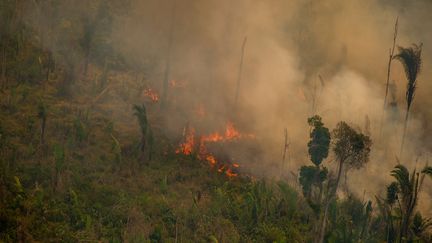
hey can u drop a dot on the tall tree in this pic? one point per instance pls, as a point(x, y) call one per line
point(239, 75)
point(319, 140)
point(312, 177)
point(410, 58)
point(351, 149)
point(391, 57)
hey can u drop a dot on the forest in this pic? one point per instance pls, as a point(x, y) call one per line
point(215, 121)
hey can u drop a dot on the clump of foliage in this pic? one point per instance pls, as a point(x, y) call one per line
point(312, 177)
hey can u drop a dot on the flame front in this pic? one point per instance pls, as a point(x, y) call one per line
point(189, 142)
point(188, 146)
point(154, 97)
point(231, 132)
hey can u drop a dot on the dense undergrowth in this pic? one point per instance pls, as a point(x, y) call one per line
point(72, 167)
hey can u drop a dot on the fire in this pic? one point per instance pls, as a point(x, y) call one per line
point(214, 137)
point(230, 173)
point(177, 83)
point(188, 145)
point(154, 97)
point(211, 159)
point(231, 133)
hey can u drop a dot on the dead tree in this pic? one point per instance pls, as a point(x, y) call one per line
point(286, 146)
point(391, 57)
point(168, 57)
point(239, 76)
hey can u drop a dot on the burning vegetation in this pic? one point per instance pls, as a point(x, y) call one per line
point(93, 102)
point(199, 147)
point(152, 95)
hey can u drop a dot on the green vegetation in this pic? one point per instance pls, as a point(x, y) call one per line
point(70, 172)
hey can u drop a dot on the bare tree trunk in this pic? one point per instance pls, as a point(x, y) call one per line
point(42, 135)
point(286, 145)
point(86, 60)
point(240, 72)
point(3, 73)
point(404, 134)
point(168, 58)
point(332, 194)
point(391, 55)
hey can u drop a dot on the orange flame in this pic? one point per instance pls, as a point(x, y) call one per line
point(211, 159)
point(177, 83)
point(188, 145)
point(230, 173)
point(231, 132)
point(214, 137)
point(154, 97)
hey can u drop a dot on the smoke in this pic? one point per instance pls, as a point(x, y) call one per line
point(290, 44)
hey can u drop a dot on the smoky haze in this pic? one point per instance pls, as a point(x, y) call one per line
point(290, 44)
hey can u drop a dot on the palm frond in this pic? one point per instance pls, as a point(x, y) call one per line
point(410, 57)
point(427, 171)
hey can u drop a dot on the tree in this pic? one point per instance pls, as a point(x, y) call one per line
point(141, 114)
point(320, 140)
point(311, 176)
point(391, 57)
point(410, 58)
point(351, 149)
point(419, 227)
point(409, 186)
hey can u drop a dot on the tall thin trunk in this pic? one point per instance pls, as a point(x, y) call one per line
point(314, 101)
point(239, 76)
point(42, 136)
point(391, 55)
point(168, 58)
point(3, 72)
point(404, 133)
point(286, 145)
point(86, 60)
point(332, 194)
point(389, 225)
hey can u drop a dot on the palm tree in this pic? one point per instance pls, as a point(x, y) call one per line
point(408, 191)
point(140, 113)
point(410, 58)
point(420, 226)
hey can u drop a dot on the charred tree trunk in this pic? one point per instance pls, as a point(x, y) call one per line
point(3, 71)
point(42, 135)
point(332, 194)
point(168, 58)
point(286, 145)
point(239, 76)
point(391, 55)
point(404, 133)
